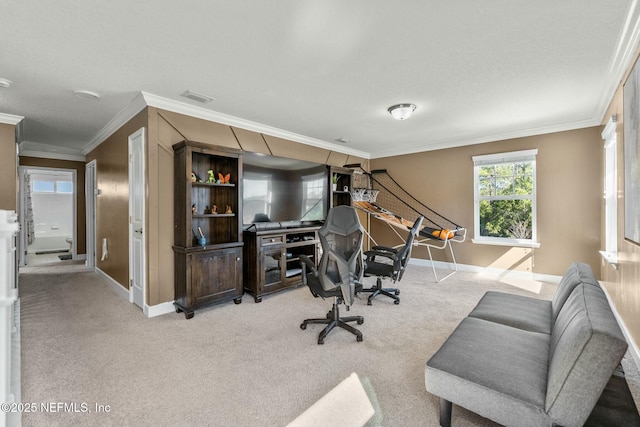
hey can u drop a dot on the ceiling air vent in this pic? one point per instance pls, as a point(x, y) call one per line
point(197, 97)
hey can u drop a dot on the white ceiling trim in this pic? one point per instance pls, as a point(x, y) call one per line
point(136, 105)
point(10, 119)
point(621, 59)
point(225, 119)
point(50, 155)
point(144, 99)
point(441, 145)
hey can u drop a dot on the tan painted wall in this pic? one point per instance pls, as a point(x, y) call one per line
point(623, 282)
point(112, 204)
point(168, 128)
point(165, 128)
point(569, 193)
point(81, 215)
point(8, 168)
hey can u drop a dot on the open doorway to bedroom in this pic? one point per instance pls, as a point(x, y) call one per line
point(47, 215)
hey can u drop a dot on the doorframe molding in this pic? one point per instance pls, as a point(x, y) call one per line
point(90, 207)
point(22, 257)
point(140, 133)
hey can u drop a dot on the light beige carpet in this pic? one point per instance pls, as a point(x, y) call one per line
point(233, 365)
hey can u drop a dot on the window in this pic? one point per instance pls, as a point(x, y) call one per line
point(62, 187)
point(313, 197)
point(43, 187)
point(610, 192)
point(505, 198)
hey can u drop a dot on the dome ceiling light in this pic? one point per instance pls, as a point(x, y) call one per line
point(401, 111)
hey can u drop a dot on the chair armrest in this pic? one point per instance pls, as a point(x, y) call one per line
point(305, 262)
point(385, 249)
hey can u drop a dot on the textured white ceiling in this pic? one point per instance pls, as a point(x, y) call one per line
point(322, 70)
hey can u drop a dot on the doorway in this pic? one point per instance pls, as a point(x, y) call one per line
point(137, 235)
point(91, 191)
point(47, 215)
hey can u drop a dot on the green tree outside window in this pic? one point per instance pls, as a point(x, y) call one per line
point(505, 194)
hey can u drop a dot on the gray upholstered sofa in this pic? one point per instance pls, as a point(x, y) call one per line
point(522, 361)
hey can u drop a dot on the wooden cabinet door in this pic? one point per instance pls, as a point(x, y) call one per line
point(272, 264)
point(216, 274)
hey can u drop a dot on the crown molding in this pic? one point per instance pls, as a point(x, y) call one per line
point(54, 156)
point(621, 60)
point(225, 119)
point(136, 105)
point(10, 119)
point(145, 99)
point(453, 143)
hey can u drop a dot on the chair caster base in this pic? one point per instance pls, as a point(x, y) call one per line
point(332, 320)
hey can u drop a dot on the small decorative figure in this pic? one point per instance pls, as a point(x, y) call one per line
point(206, 210)
point(211, 177)
point(228, 211)
point(224, 179)
point(194, 177)
point(193, 209)
point(214, 210)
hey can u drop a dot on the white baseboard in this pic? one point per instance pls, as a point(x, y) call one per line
point(488, 271)
point(120, 290)
point(159, 309)
point(633, 347)
point(148, 310)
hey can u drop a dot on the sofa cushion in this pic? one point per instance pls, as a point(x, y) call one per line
point(522, 312)
point(497, 371)
point(578, 273)
point(585, 348)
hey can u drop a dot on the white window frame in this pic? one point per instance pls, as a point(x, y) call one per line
point(313, 184)
point(496, 159)
point(610, 252)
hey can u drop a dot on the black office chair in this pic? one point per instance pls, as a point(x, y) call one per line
point(340, 270)
point(386, 262)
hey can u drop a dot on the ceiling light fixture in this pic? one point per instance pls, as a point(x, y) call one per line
point(86, 94)
point(401, 111)
point(197, 96)
point(5, 82)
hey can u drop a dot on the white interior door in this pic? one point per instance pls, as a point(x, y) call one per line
point(90, 198)
point(22, 213)
point(137, 185)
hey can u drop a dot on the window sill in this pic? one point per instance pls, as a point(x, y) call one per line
point(506, 242)
point(610, 258)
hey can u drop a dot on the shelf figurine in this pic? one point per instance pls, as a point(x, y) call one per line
point(193, 209)
point(228, 211)
point(194, 177)
point(214, 209)
point(211, 176)
point(206, 210)
point(224, 179)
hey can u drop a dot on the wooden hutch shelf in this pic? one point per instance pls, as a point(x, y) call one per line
point(207, 246)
